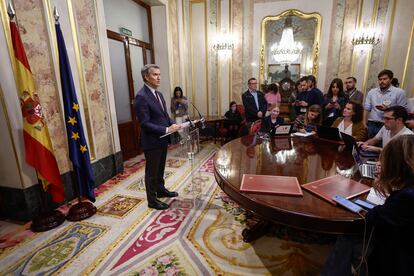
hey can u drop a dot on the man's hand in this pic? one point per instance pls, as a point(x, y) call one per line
point(410, 123)
point(370, 148)
point(173, 128)
point(260, 114)
point(359, 143)
point(303, 103)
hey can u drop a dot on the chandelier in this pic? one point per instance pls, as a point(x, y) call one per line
point(287, 50)
point(365, 39)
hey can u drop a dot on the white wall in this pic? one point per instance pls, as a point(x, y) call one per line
point(12, 158)
point(160, 36)
point(127, 14)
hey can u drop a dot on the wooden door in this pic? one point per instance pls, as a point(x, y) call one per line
point(127, 55)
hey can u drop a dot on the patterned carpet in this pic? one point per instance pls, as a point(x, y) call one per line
point(199, 235)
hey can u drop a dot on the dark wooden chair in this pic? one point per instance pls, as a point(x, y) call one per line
point(223, 131)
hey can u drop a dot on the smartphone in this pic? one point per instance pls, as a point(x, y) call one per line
point(347, 204)
point(364, 204)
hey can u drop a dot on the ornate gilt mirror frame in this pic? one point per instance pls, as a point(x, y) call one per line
point(302, 15)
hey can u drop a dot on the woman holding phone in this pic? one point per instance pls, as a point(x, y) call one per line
point(334, 102)
point(389, 241)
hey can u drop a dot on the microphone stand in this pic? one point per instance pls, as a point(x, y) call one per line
point(194, 147)
point(203, 126)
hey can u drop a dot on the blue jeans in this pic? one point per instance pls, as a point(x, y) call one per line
point(373, 128)
point(345, 254)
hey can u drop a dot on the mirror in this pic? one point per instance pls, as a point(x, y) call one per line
point(283, 58)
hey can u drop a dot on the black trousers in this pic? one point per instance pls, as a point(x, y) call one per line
point(154, 172)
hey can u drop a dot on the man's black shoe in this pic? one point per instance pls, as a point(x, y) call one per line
point(159, 205)
point(166, 193)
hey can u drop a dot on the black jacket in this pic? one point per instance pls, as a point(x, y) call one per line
point(393, 249)
point(268, 126)
point(250, 105)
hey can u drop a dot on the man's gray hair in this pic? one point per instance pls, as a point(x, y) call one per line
point(145, 70)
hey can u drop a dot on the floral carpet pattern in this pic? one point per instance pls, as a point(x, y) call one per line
point(200, 234)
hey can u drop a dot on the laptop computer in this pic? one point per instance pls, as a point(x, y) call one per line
point(366, 170)
point(282, 129)
point(329, 133)
point(350, 141)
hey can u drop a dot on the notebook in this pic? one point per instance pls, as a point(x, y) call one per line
point(329, 187)
point(375, 197)
point(270, 184)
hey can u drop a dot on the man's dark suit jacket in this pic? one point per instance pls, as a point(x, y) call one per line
point(250, 105)
point(153, 119)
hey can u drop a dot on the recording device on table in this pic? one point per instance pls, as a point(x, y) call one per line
point(355, 206)
point(351, 206)
point(365, 204)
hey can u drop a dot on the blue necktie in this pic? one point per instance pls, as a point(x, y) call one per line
point(159, 100)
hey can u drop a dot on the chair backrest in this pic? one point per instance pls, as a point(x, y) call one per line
point(255, 128)
point(240, 108)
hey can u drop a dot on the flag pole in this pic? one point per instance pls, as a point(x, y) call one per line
point(81, 210)
point(78, 148)
point(47, 219)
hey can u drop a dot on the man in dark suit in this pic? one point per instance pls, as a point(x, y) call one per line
point(255, 104)
point(155, 122)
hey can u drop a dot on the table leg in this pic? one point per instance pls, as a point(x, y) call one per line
point(260, 229)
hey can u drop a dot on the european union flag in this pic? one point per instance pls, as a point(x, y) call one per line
point(78, 149)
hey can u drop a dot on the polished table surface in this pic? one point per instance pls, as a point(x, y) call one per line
point(308, 159)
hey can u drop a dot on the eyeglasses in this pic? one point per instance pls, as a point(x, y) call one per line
point(252, 83)
point(388, 118)
point(349, 82)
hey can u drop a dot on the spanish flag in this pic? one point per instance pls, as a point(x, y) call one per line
point(39, 151)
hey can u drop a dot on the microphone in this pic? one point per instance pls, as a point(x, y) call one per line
point(203, 126)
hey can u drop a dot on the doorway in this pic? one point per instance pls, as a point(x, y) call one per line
point(128, 56)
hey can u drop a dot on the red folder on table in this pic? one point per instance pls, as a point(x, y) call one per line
point(270, 184)
point(331, 186)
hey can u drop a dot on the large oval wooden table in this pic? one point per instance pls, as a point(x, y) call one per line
point(308, 159)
